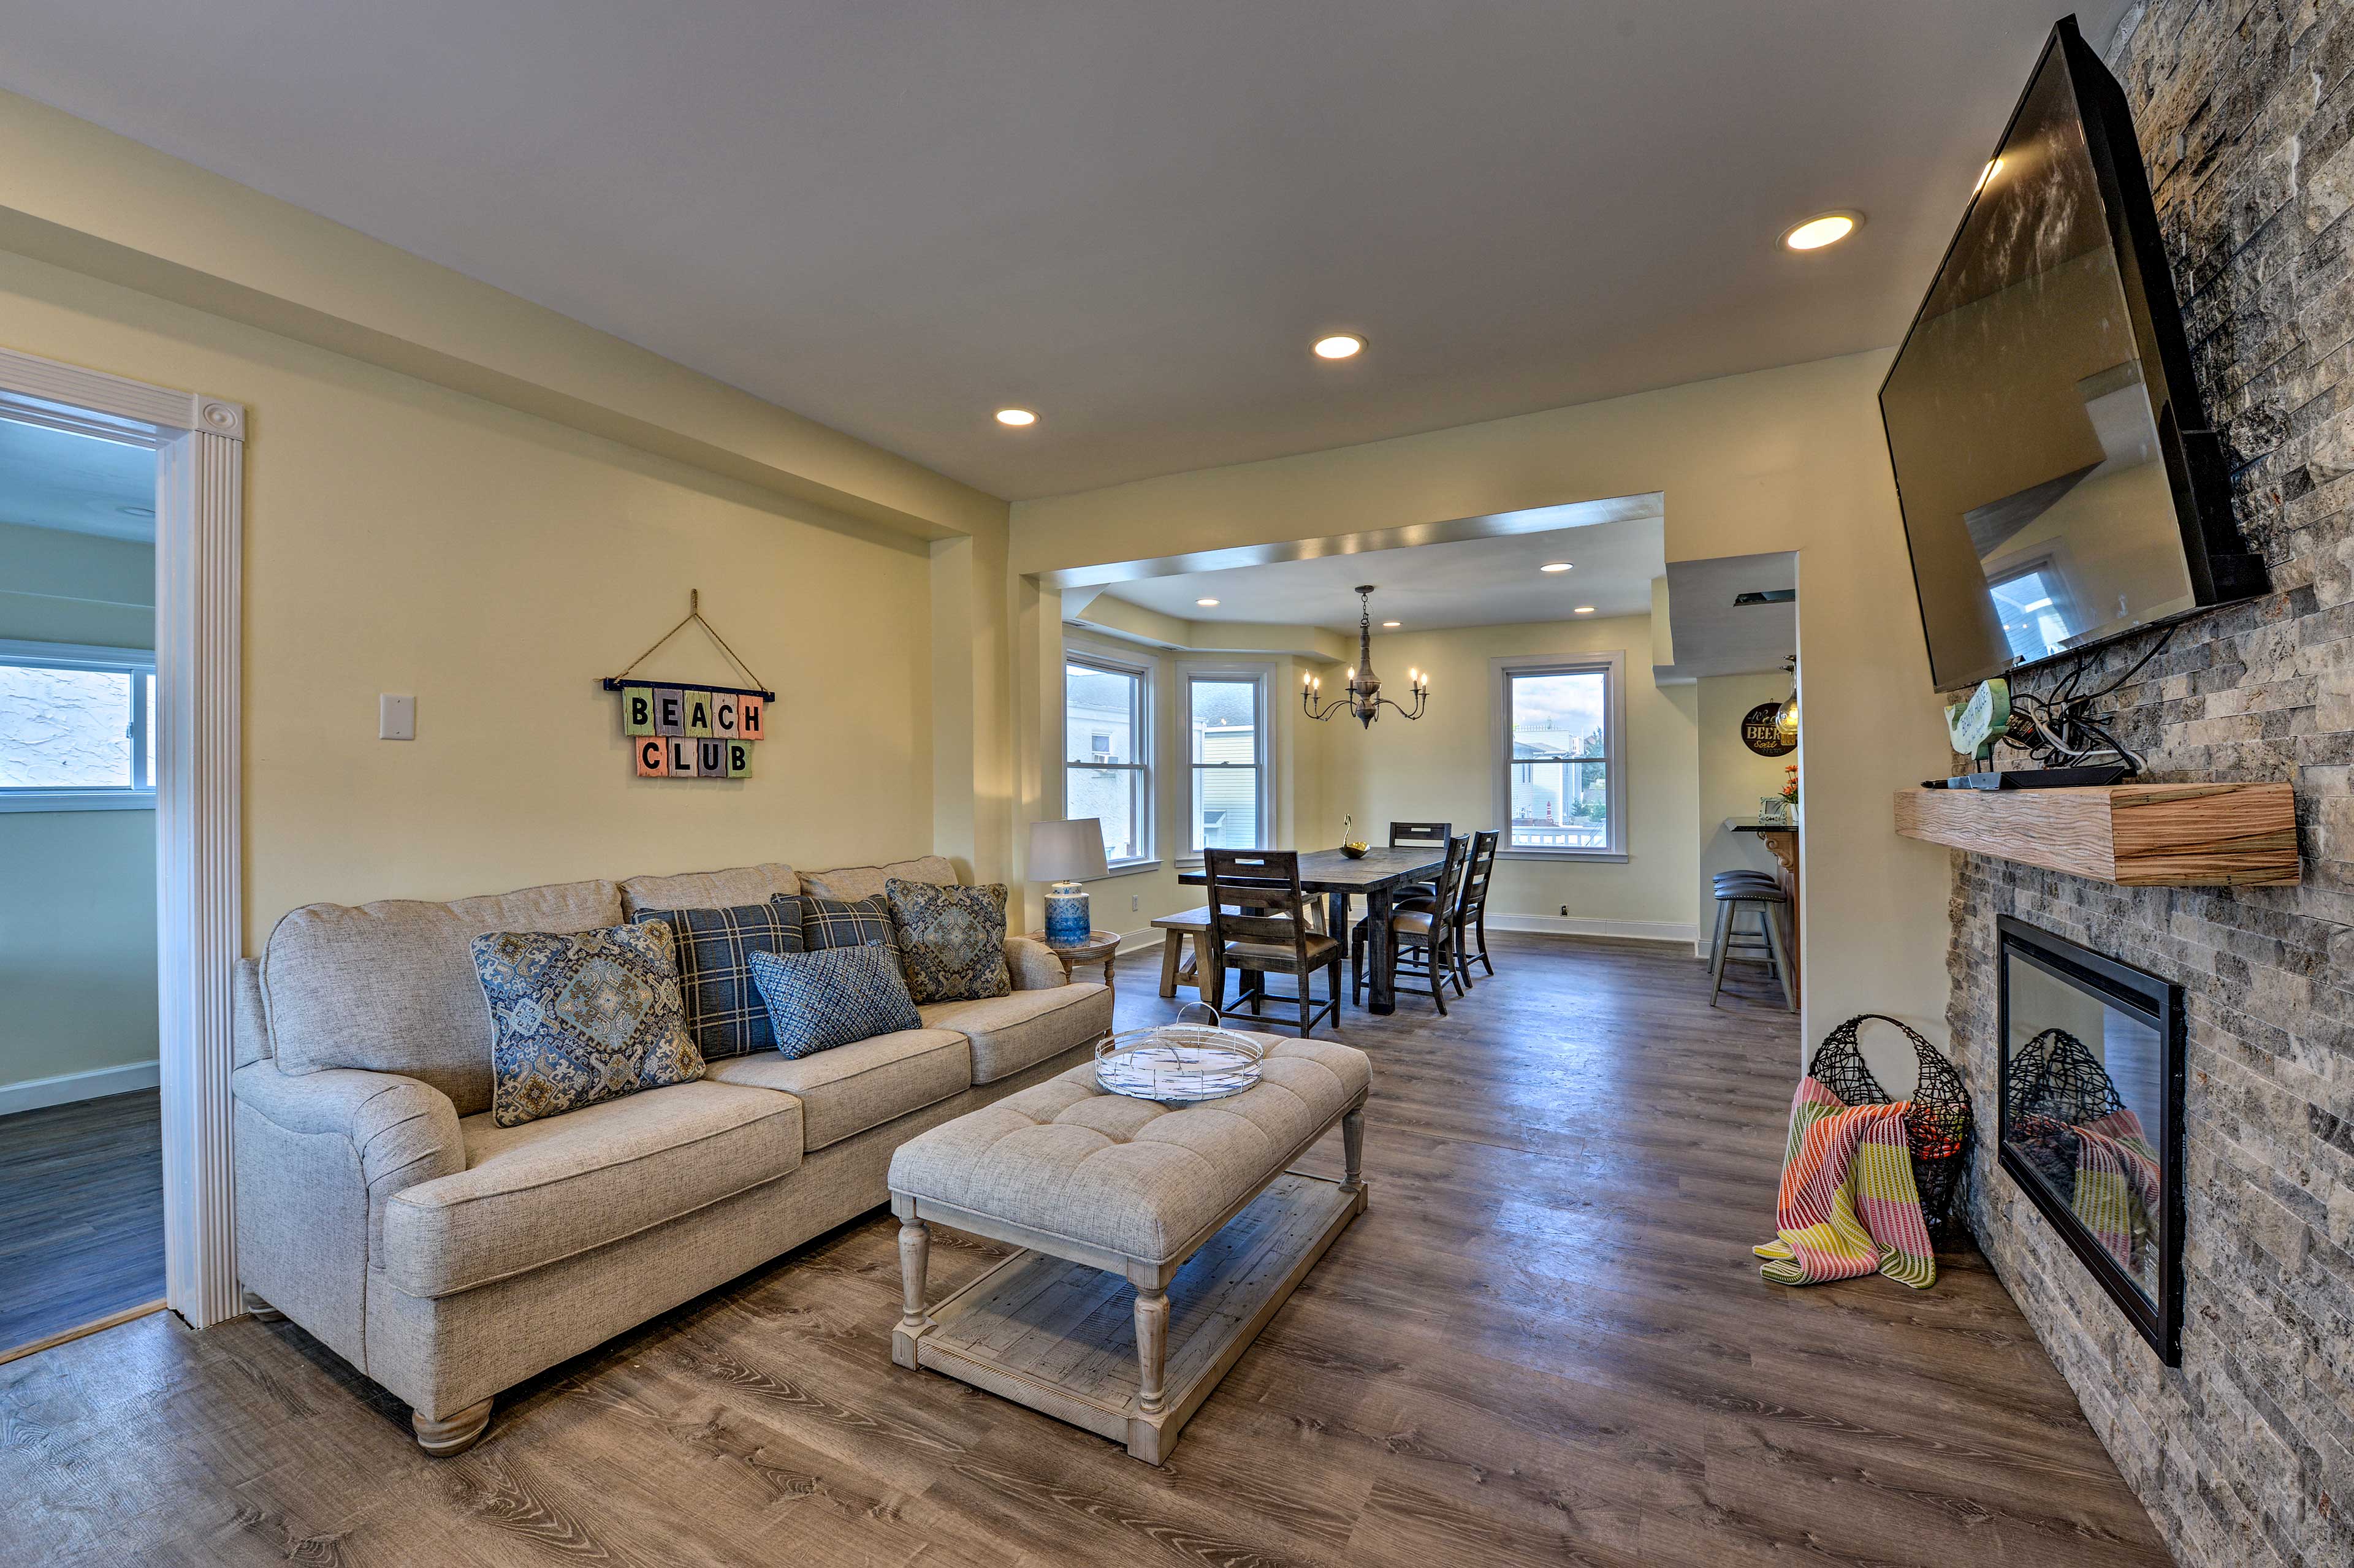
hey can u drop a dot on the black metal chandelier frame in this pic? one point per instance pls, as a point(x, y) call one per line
point(1361, 698)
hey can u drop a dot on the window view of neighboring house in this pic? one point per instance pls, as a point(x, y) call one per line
point(1224, 743)
point(1108, 770)
point(1559, 768)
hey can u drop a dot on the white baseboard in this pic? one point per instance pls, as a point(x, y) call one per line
point(1684, 936)
point(34, 1094)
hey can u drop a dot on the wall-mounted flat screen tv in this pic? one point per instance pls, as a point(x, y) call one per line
point(2059, 484)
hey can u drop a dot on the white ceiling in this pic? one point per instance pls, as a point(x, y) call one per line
point(1131, 216)
point(1473, 582)
point(54, 478)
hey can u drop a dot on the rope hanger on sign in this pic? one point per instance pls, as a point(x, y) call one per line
point(695, 617)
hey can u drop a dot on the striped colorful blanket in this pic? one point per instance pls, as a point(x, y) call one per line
point(2117, 1191)
point(1848, 1205)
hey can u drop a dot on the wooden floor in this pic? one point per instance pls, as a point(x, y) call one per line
point(81, 1214)
point(1546, 1342)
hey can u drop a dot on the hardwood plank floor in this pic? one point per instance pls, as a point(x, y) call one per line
point(81, 1214)
point(1546, 1342)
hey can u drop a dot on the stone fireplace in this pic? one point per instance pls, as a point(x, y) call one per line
point(2244, 1453)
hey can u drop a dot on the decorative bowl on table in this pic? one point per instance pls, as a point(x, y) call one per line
point(1354, 850)
point(1179, 1064)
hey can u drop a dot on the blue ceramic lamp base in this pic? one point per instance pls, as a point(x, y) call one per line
point(1069, 923)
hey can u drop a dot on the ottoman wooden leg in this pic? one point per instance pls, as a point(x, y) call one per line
point(1352, 1149)
point(1152, 1350)
point(914, 1264)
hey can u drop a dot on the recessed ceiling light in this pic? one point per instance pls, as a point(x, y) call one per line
point(1554, 567)
point(1391, 625)
point(1817, 232)
point(1016, 417)
point(1990, 172)
point(1207, 603)
point(1582, 609)
point(1340, 346)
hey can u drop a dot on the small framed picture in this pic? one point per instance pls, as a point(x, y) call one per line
point(1772, 808)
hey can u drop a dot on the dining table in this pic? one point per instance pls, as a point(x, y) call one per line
point(1376, 875)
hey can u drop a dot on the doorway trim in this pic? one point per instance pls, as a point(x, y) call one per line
point(199, 444)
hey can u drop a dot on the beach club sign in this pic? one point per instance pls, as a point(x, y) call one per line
point(681, 732)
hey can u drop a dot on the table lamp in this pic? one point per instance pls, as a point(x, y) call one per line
point(1062, 854)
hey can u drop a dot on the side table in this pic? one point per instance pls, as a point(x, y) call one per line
point(1100, 948)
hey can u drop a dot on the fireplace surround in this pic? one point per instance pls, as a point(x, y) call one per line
point(2090, 1087)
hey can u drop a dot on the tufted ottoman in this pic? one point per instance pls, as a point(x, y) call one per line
point(1191, 1210)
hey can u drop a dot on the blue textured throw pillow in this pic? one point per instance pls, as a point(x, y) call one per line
point(581, 1018)
point(725, 1014)
point(833, 996)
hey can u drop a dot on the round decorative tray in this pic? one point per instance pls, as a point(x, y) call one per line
point(1178, 1064)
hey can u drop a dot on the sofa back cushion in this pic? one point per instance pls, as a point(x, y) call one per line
point(390, 987)
point(709, 889)
point(866, 881)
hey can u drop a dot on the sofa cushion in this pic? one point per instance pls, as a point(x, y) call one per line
point(582, 1017)
point(822, 1000)
point(725, 1013)
point(532, 1194)
point(866, 881)
point(850, 1088)
point(390, 987)
point(1020, 1030)
point(1130, 1176)
point(709, 889)
point(951, 939)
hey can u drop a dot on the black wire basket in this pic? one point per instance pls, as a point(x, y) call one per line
point(1938, 1126)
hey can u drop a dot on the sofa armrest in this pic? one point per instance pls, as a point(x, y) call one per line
point(1032, 965)
point(401, 1131)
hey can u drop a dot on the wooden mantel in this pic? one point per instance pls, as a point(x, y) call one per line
point(2135, 835)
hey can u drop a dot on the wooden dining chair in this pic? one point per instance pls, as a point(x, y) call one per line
point(1419, 835)
point(1259, 925)
point(1423, 939)
point(1471, 908)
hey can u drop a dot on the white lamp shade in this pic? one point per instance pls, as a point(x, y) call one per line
point(1067, 851)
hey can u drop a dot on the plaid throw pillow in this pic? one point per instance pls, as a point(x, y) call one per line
point(845, 923)
point(951, 939)
point(833, 997)
point(581, 1018)
point(725, 1014)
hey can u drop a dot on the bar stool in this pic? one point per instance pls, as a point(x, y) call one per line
point(1737, 891)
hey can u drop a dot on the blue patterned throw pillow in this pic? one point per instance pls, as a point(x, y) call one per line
point(951, 939)
point(845, 922)
point(725, 1014)
point(832, 997)
point(581, 1018)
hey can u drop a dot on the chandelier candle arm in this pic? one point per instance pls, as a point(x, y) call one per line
point(1362, 697)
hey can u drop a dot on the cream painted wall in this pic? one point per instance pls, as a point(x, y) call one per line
point(1792, 459)
point(402, 537)
point(1442, 768)
point(77, 888)
point(1731, 780)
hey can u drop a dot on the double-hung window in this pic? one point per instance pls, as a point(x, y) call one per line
point(1107, 767)
point(1560, 753)
point(76, 730)
point(1226, 743)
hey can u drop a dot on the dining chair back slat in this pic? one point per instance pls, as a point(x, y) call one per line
point(1420, 835)
point(1257, 910)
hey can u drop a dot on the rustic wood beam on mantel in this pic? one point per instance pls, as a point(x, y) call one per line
point(2133, 835)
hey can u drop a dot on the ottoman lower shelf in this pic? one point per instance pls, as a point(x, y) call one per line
point(1059, 1337)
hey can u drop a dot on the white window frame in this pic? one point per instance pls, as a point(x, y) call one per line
point(1262, 677)
point(1612, 667)
point(139, 795)
point(1141, 670)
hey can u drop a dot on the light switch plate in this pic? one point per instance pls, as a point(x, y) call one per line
point(396, 717)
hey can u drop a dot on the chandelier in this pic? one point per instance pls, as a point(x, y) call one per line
point(1363, 701)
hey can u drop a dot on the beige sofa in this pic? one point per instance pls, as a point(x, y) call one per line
point(448, 1258)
